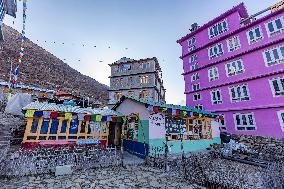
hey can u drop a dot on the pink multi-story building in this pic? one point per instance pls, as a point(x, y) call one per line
point(234, 65)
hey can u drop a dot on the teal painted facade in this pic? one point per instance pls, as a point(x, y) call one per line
point(156, 146)
point(143, 131)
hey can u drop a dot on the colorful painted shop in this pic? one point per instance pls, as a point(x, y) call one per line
point(58, 124)
point(151, 127)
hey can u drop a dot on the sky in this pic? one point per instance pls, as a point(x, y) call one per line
point(121, 28)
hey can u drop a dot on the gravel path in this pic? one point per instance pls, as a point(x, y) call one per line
point(118, 177)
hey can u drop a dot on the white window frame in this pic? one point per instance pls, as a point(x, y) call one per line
point(198, 105)
point(215, 73)
point(279, 85)
point(273, 61)
point(236, 43)
point(196, 84)
point(235, 70)
point(144, 79)
point(195, 77)
point(192, 58)
point(276, 31)
point(247, 120)
point(219, 53)
point(256, 39)
point(224, 30)
point(194, 66)
point(240, 98)
point(192, 48)
point(218, 101)
point(281, 121)
point(191, 41)
point(200, 98)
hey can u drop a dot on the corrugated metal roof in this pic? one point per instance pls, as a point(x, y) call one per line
point(44, 106)
point(21, 86)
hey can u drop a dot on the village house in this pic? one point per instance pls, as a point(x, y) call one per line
point(234, 65)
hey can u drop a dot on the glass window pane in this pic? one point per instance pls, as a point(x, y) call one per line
point(238, 120)
point(275, 54)
point(275, 85)
point(270, 27)
point(245, 90)
point(282, 116)
point(233, 93)
point(244, 120)
point(268, 57)
point(282, 51)
point(257, 32)
point(220, 28)
point(250, 120)
point(34, 126)
point(251, 36)
point(225, 26)
point(215, 30)
point(278, 23)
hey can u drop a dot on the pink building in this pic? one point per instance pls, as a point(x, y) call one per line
point(234, 65)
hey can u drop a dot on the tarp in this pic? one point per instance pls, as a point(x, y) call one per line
point(17, 102)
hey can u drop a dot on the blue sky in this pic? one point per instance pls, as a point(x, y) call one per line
point(131, 28)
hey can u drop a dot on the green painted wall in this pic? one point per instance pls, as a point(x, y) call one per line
point(143, 129)
point(157, 147)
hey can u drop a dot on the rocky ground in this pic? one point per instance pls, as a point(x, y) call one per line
point(115, 177)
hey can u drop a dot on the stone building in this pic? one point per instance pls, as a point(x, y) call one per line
point(137, 78)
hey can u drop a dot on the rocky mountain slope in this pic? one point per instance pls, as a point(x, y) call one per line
point(42, 69)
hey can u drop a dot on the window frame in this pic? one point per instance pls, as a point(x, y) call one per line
point(256, 39)
point(218, 49)
point(236, 92)
point(196, 84)
point(144, 79)
point(220, 101)
point(192, 58)
point(236, 70)
point(194, 66)
point(191, 41)
point(247, 121)
point(236, 45)
point(273, 61)
point(272, 86)
point(195, 77)
point(279, 31)
point(199, 105)
point(281, 121)
point(224, 30)
point(214, 70)
point(200, 98)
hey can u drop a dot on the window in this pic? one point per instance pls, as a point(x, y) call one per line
point(244, 121)
point(254, 35)
point(193, 58)
point(193, 67)
point(239, 93)
point(213, 74)
point(233, 43)
point(130, 80)
point(276, 26)
point(195, 86)
point(195, 77)
point(281, 118)
point(277, 86)
point(199, 106)
point(216, 97)
point(117, 96)
point(121, 81)
point(192, 48)
point(274, 56)
point(124, 67)
point(145, 65)
point(218, 29)
point(234, 68)
point(144, 94)
point(144, 79)
point(196, 97)
point(223, 123)
point(191, 41)
point(130, 93)
point(215, 51)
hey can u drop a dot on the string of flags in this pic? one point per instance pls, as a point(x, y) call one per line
point(73, 115)
point(182, 113)
point(21, 52)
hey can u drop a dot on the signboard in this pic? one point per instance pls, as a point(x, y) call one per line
point(277, 6)
point(157, 126)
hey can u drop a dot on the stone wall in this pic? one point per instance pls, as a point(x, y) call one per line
point(267, 148)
